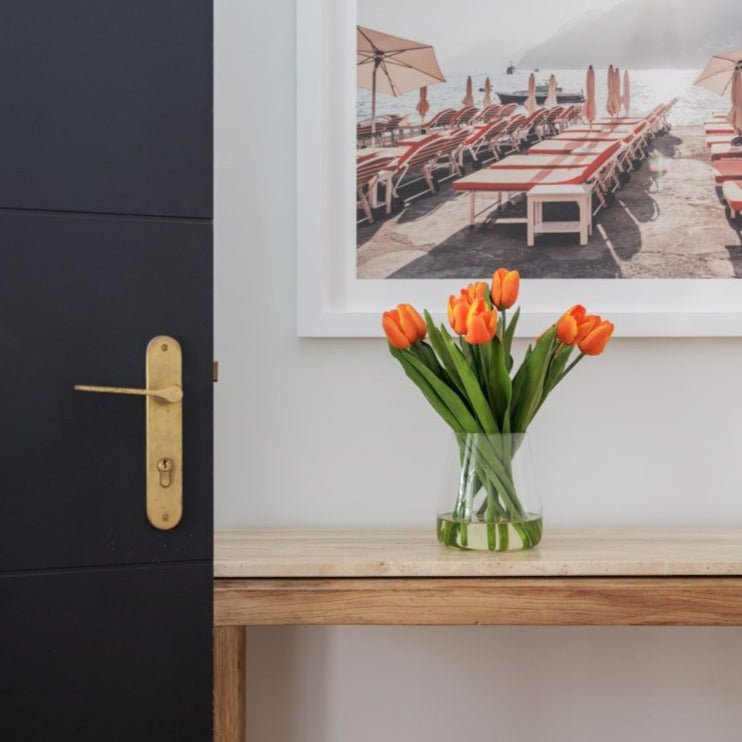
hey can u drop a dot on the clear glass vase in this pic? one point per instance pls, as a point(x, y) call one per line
point(489, 500)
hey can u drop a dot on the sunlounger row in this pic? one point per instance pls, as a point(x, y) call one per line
point(388, 127)
point(725, 148)
point(424, 155)
point(594, 158)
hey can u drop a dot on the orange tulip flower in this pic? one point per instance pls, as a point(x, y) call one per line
point(458, 308)
point(574, 324)
point(475, 291)
point(403, 326)
point(410, 318)
point(481, 323)
point(593, 343)
point(505, 287)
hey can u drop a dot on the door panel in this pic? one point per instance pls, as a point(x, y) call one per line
point(106, 106)
point(106, 654)
point(80, 298)
point(105, 242)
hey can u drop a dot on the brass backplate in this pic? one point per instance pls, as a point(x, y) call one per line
point(164, 435)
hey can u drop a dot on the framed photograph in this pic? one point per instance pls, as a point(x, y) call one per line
point(662, 253)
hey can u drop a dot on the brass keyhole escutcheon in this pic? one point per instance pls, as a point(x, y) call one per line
point(163, 393)
point(165, 467)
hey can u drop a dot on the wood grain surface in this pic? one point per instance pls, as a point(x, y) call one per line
point(648, 601)
point(416, 553)
point(229, 684)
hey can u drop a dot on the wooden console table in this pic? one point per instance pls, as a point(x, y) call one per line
point(659, 577)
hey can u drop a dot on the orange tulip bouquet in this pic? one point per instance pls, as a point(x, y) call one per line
point(470, 382)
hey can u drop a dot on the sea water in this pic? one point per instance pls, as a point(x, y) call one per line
point(648, 89)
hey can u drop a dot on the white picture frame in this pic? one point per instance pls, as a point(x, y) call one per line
point(332, 302)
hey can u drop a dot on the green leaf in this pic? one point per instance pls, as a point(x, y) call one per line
point(556, 372)
point(502, 386)
point(426, 354)
point(529, 381)
point(440, 348)
point(448, 396)
point(486, 373)
point(419, 380)
point(508, 339)
point(519, 380)
point(556, 367)
point(474, 392)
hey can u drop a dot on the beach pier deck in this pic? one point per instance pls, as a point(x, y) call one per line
point(666, 222)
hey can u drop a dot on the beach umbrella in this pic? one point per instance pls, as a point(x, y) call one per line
point(589, 107)
point(611, 101)
point(469, 97)
point(717, 74)
point(626, 100)
point(392, 65)
point(551, 98)
point(530, 105)
point(487, 93)
point(617, 86)
point(735, 115)
point(722, 73)
point(423, 106)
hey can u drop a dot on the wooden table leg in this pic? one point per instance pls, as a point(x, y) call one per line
point(229, 684)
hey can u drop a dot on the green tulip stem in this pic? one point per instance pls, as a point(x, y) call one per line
point(571, 366)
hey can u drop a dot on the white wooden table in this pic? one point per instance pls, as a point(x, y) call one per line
point(574, 577)
point(546, 194)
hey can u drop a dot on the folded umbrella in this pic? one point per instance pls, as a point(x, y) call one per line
point(423, 106)
point(735, 115)
point(589, 107)
point(611, 101)
point(469, 97)
point(551, 98)
point(531, 105)
point(487, 93)
point(626, 100)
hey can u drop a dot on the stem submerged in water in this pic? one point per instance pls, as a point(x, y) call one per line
point(488, 499)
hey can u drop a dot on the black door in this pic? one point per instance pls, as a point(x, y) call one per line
point(105, 243)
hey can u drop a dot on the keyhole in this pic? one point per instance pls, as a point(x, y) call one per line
point(165, 467)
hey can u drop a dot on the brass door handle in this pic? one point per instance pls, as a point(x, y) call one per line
point(163, 391)
point(169, 394)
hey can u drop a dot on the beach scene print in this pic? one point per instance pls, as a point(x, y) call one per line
point(580, 139)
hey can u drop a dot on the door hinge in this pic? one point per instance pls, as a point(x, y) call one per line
point(215, 371)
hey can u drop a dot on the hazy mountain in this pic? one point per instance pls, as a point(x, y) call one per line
point(644, 34)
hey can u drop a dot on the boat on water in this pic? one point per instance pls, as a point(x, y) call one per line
point(542, 91)
point(510, 69)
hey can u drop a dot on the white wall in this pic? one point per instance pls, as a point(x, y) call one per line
point(330, 433)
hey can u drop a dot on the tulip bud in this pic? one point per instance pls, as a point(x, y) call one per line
point(475, 291)
point(574, 324)
point(505, 287)
point(568, 323)
point(403, 326)
point(594, 341)
point(481, 323)
point(458, 308)
point(412, 322)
